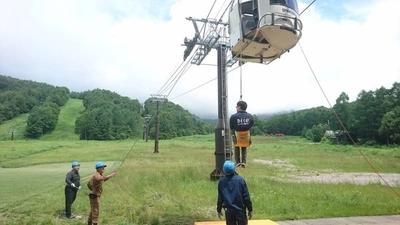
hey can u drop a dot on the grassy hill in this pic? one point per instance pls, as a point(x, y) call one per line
point(16, 125)
point(63, 131)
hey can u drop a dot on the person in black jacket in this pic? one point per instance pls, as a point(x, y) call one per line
point(233, 196)
point(73, 180)
point(240, 124)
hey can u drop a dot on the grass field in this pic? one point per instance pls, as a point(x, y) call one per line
point(173, 186)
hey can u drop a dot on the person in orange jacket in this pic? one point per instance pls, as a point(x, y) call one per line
point(95, 186)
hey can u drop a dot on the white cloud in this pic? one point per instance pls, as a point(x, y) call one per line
point(133, 48)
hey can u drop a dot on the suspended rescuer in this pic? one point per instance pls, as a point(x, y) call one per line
point(240, 124)
point(73, 184)
point(95, 186)
point(233, 197)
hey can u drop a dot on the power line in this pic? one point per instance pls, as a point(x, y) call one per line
point(179, 72)
point(236, 55)
point(184, 66)
point(201, 85)
point(307, 7)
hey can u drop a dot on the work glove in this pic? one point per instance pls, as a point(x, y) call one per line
point(73, 185)
point(250, 214)
point(220, 216)
point(112, 174)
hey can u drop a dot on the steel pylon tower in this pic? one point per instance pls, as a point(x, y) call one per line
point(215, 39)
point(157, 98)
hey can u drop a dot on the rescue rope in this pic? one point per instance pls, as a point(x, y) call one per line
point(126, 156)
point(343, 126)
point(240, 64)
point(85, 190)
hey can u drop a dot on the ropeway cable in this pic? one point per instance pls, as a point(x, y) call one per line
point(344, 128)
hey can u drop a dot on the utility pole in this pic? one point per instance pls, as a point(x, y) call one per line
point(157, 99)
point(146, 128)
point(210, 41)
point(12, 132)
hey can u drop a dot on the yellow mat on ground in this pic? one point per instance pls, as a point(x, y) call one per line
point(251, 222)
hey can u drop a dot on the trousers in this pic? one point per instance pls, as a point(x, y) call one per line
point(94, 209)
point(235, 217)
point(70, 196)
point(240, 151)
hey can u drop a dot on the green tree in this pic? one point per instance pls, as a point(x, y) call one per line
point(109, 116)
point(342, 111)
point(367, 116)
point(42, 120)
point(175, 121)
point(390, 126)
point(395, 94)
point(316, 133)
point(35, 124)
point(21, 96)
point(258, 127)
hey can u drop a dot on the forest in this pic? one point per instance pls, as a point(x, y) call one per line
point(372, 119)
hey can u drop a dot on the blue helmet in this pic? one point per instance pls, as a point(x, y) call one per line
point(228, 168)
point(75, 164)
point(100, 164)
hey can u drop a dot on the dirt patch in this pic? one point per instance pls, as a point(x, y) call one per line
point(277, 163)
point(356, 178)
point(392, 179)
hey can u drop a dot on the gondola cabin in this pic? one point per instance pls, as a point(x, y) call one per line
point(262, 30)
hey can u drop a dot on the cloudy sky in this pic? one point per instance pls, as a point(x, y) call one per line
point(134, 48)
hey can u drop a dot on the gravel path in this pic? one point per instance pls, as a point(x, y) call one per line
point(392, 179)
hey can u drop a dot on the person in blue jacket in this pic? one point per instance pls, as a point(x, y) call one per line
point(240, 124)
point(233, 197)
